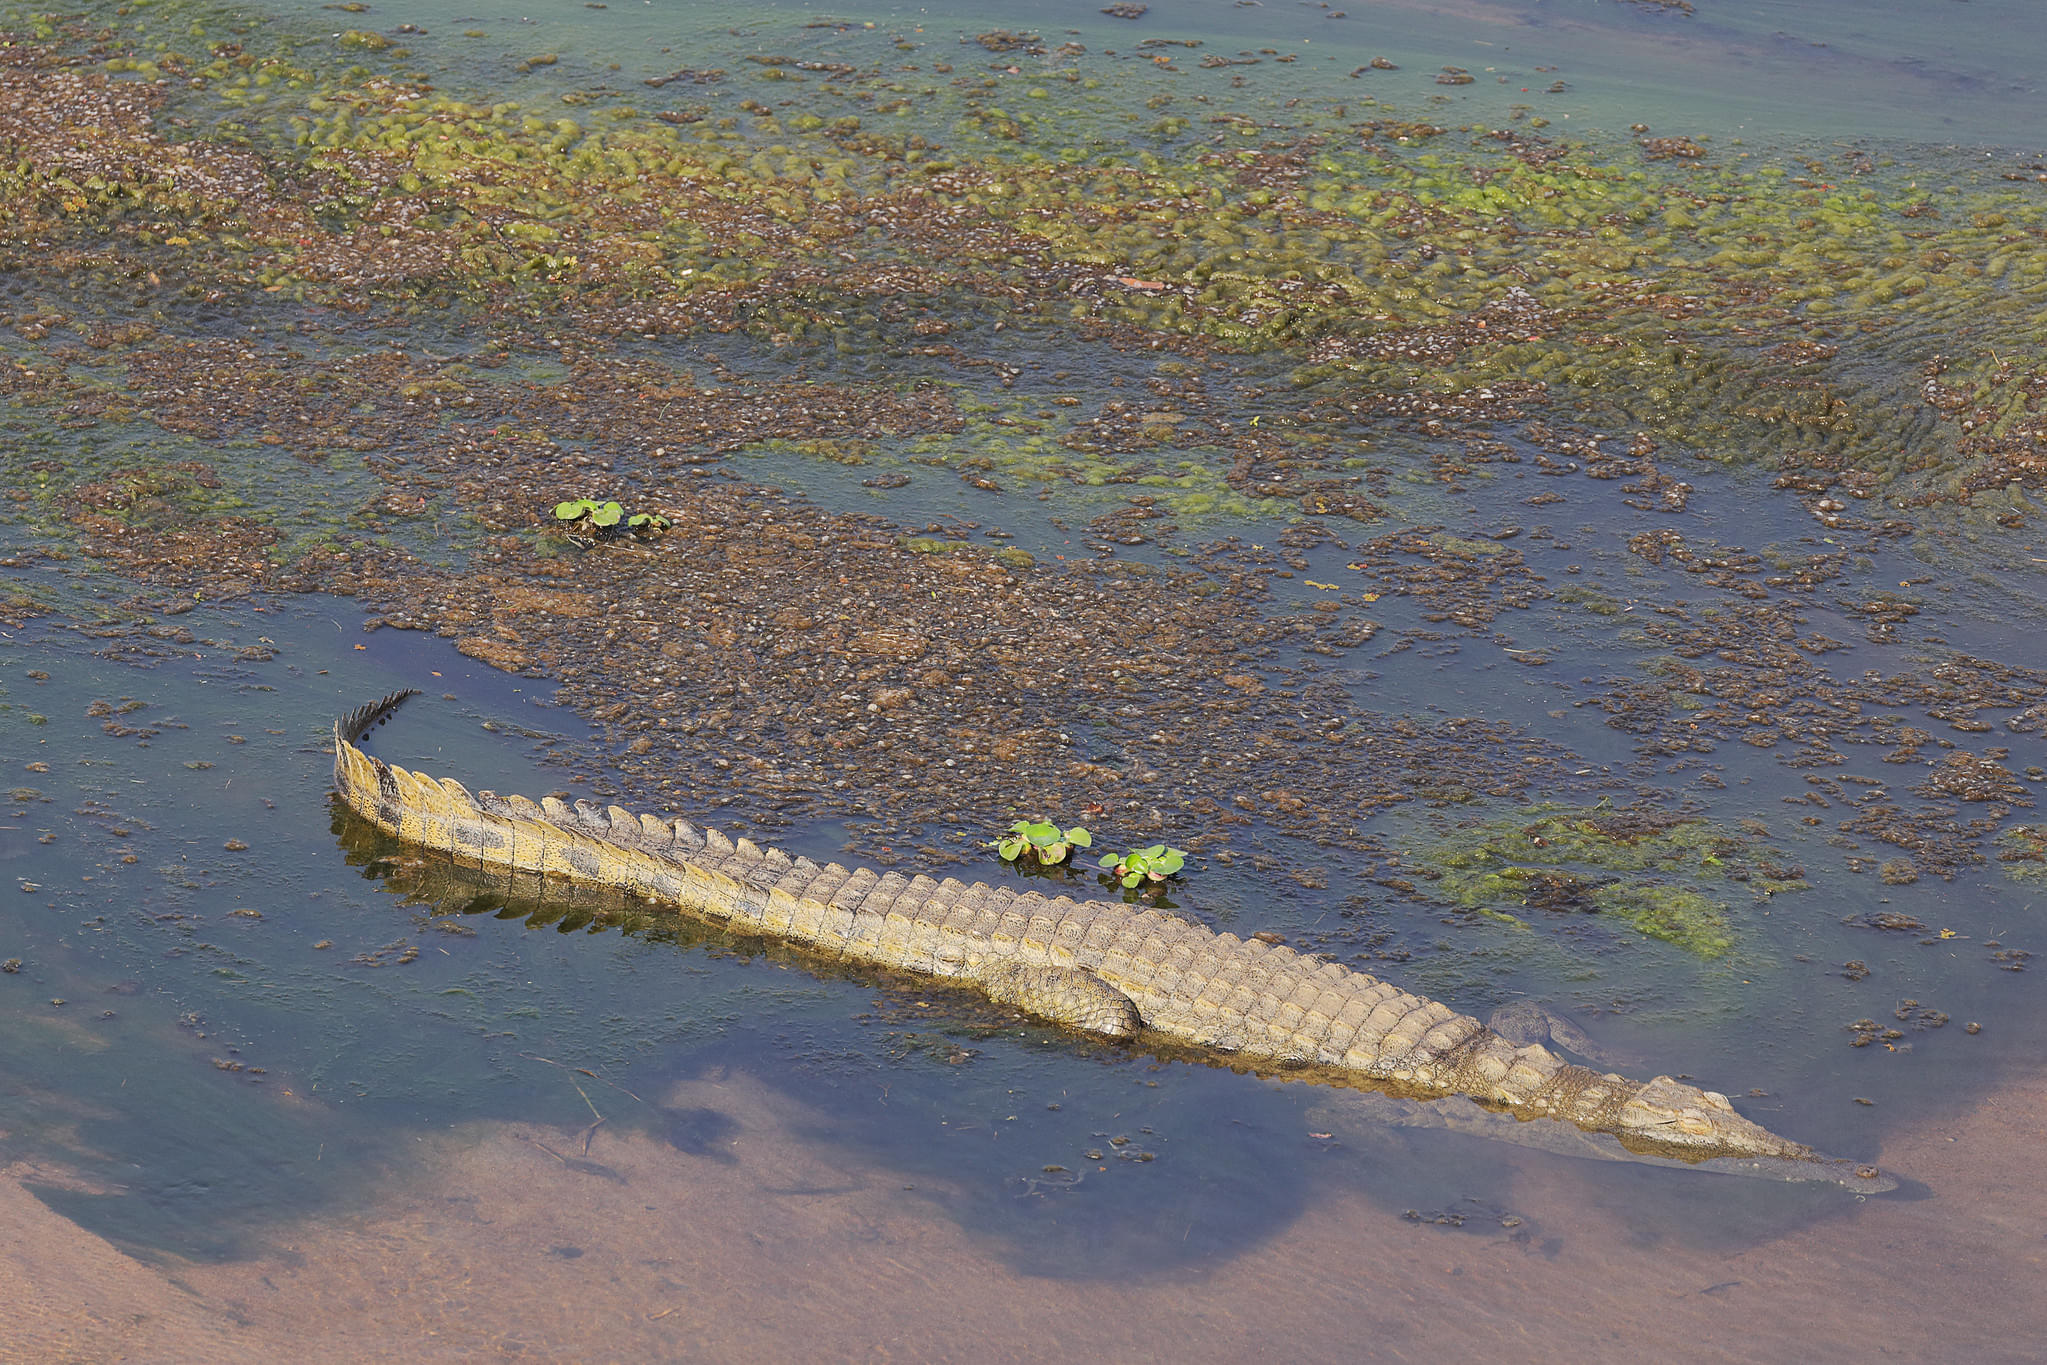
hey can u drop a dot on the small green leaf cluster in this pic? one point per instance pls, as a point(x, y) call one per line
point(1153, 864)
point(600, 514)
point(605, 518)
point(1041, 840)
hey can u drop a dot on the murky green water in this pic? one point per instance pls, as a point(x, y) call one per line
point(225, 1019)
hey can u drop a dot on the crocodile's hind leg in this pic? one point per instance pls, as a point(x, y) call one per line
point(1529, 1021)
point(1065, 995)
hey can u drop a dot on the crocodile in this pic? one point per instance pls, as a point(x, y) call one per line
point(1102, 968)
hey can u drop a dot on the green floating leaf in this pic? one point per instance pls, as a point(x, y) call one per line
point(606, 515)
point(570, 511)
point(1079, 837)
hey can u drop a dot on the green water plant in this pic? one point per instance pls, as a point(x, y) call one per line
point(602, 516)
point(1153, 864)
point(2022, 852)
point(1672, 876)
point(592, 517)
point(1040, 840)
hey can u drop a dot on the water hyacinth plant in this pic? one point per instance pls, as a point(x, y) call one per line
point(607, 518)
point(1041, 840)
point(602, 515)
point(1153, 864)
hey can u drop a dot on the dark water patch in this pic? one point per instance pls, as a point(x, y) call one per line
point(168, 909)
point(943, 1063)
point(698, 1131)
point(195, 1168)
point(1144, 1172)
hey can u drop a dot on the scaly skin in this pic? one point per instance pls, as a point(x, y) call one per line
point(1097, 966)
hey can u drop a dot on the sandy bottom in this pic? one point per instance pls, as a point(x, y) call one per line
point(507, 1244)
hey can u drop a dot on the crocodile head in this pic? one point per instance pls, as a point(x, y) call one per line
point(1671, 1115)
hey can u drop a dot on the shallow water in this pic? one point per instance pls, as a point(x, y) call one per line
point(263, 1096)
point(1731, 68)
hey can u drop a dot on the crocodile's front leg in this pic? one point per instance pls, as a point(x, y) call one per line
point(1071, 996)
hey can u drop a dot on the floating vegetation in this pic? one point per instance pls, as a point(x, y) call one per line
point(607, 519)
point(1045, 842)
point(1153, 865)
point(1329, 317)
point(1453, 276)
point(1665, 876)
point(2022, 853)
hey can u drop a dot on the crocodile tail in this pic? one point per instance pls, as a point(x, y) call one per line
point(357, 723)
point(367, 785)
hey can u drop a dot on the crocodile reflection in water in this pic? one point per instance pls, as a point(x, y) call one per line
point(1100, 967)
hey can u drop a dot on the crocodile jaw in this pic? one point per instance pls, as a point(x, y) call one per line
point(1668, 1113)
